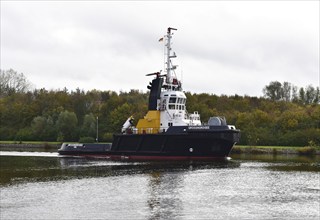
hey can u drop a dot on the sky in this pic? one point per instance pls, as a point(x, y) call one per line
point(223, 47)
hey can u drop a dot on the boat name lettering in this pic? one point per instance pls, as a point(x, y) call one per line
point(198, 127)
point(75, 145)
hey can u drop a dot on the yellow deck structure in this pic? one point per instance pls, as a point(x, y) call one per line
point(150, 124)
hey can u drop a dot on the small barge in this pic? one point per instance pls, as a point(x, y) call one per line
point(167, 131)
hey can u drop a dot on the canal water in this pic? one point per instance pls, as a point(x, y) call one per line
point(39, 185)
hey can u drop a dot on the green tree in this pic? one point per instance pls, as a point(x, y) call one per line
point(43, 128)
point(315, 116)
point(294, 96)
point(286, 91)
point(119, 116)
point(67, 126)
point(89, 128)
point(51, 133)
point(24, 134)
point(302, 95)
point(38, 126)
point(311, 95)
point(273, 91)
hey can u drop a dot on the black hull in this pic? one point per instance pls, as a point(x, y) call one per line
point(196, 144)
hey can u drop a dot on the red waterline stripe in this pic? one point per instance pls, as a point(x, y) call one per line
point(139, 157)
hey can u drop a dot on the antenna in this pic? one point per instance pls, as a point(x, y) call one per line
point(170, 67)
point(170, 28)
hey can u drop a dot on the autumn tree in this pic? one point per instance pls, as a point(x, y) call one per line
point(286, 115)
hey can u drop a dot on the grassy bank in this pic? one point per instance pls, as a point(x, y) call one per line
point(29, 146)
point(307, 150)
point(31, 142)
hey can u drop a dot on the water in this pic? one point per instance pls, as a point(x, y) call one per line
point(44, 186)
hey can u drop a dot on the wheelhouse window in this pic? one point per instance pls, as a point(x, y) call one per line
point(176, 103)
point(172, 100)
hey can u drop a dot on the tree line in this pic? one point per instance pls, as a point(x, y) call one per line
point(285, 115)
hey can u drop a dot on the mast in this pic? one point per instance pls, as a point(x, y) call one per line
point(171, 82)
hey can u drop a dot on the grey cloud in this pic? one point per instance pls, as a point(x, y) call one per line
point(229, 47)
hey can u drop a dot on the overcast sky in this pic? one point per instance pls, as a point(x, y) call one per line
point(223, 47)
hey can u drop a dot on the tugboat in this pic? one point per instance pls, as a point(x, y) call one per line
point(167, 131)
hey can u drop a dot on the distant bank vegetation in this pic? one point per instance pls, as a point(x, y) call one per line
point(285, 115)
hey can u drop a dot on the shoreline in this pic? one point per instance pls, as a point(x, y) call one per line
point(30, 145)
point(274, 150)
point(238, 149)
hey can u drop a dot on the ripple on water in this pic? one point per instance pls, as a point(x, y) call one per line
point(78, 188)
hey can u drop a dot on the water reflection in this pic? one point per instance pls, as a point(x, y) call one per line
point(164, 196)
point(16, 169)
point(276, 158)
point(284, 162)
point(46, 187)
point(44, 166)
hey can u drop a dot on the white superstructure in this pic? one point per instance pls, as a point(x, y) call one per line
point(172, 103)
point(167, 101)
